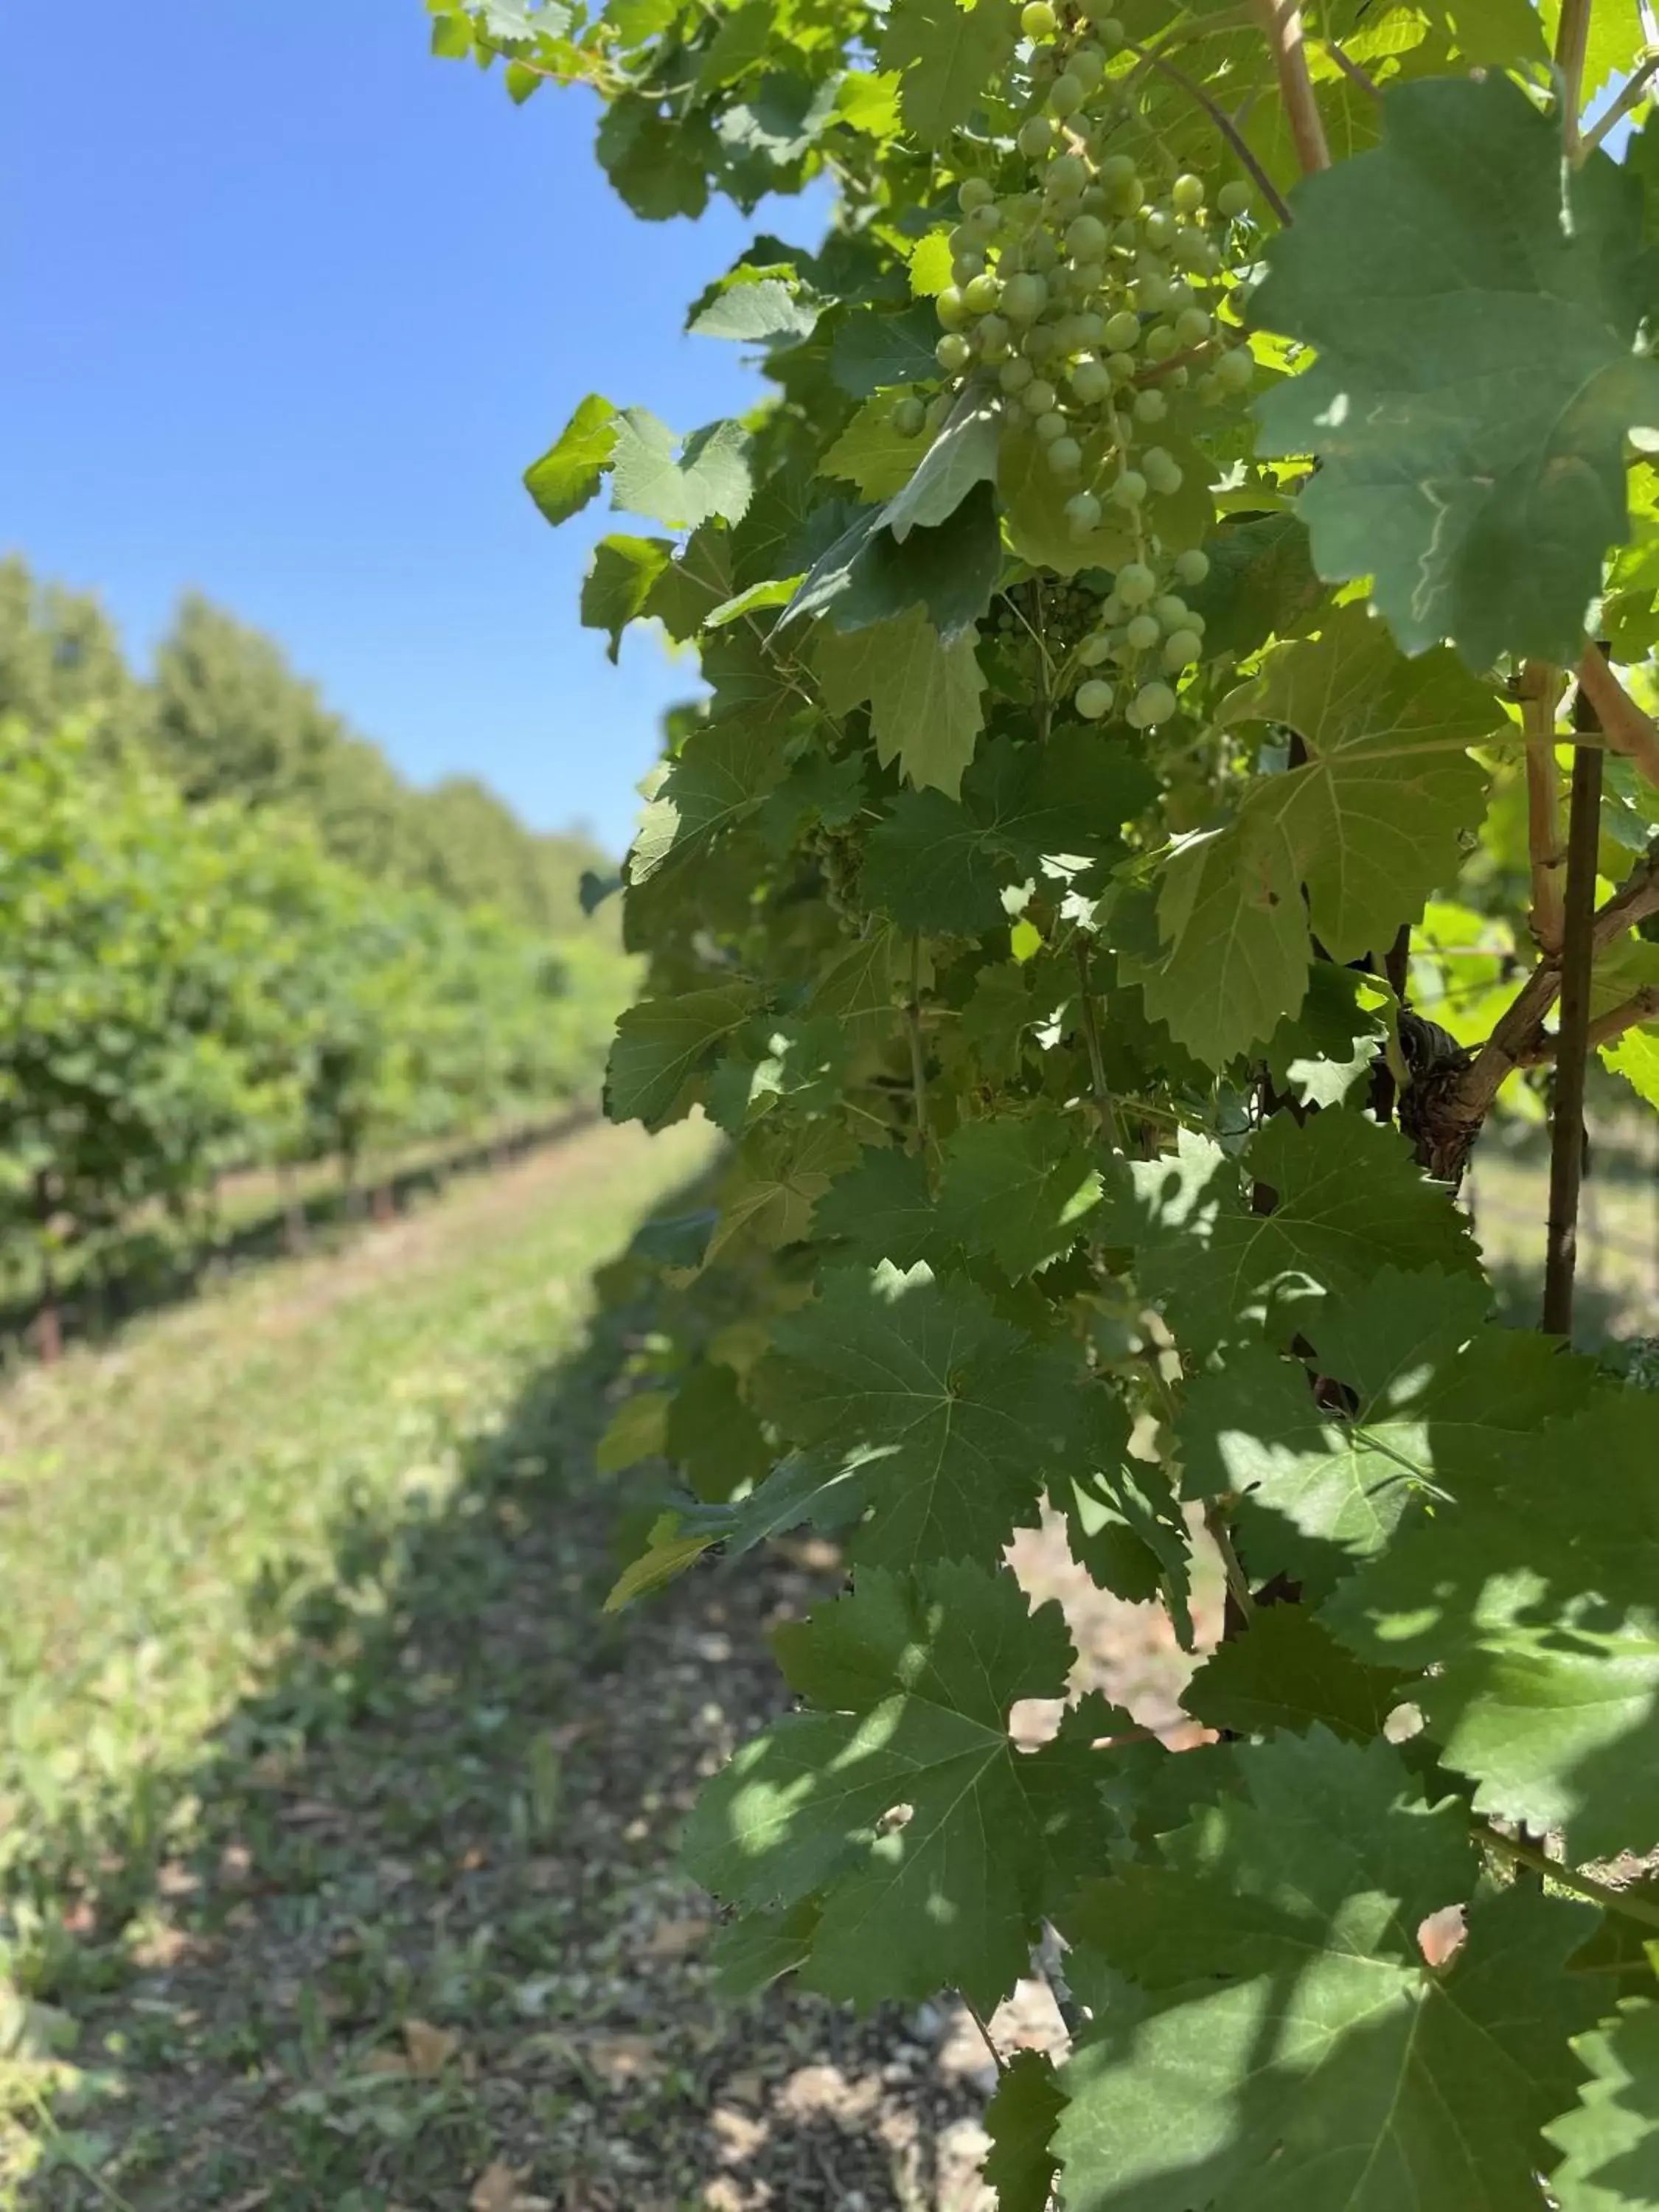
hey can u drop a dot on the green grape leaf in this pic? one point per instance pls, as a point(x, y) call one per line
point(781, 1176)
point(1374, 823)
point(619, 583)
point(924, 693)
point(913, 1677)
point(716, 781)
point(710, 476)
point(1636, 1057)
point(870, 454)
point(1351, 1200)
point(1020, 2122)
point(665, 1046)
point(970, 1410)
point(1322, 1054)
point(760, 309)
point(1233, 959)
point(1474, 304)
point(1287, 1671)
point(1531, 1593)
point(659, 165)
point(883, 1208)
point(947, 55)
point(748, 1955)
point(870, 350)
point(1021, 1188)
point(572, 468)
point(1262, 584)
point(1431, 1387)
point(1291, 2048)
point(1611, 2138)
point(964, 454)
point(712, 1437)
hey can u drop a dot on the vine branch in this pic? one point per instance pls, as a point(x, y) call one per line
point(1633, 92)
point(1540, 696)
point(1224, 123)
point(1102, 1092)
point(1582, 1885)
point(1641, 1006)
point(1350, 69)
point(1621, 722)
point(1281, 21)
point(1572, 1042)
point(918, 1053)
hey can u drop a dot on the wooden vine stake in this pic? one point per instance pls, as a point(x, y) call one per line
point(1572, 1045)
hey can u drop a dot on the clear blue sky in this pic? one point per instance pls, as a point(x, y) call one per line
point(288, 306)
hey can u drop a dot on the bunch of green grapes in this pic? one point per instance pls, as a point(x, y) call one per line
point(1091, 298)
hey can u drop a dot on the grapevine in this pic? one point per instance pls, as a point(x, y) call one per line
point(1175, 769)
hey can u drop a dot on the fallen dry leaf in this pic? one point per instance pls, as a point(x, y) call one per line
point(387, 2061)
point(673, 1939)
point(249, 2201)
point(622, 2058)
point(497, 2189)
point(430, 2049)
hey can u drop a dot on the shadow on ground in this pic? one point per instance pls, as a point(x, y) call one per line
point(422, 1946)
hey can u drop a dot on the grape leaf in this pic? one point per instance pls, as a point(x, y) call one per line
point(572, 468)
point(1019, 1188)
point(924, 694)
point(1531, 1593)
point(760, 309)
point(1322, 1054)
point(779, 1177)
point(965, 454)
point(715, 782)
point(1261, 584)
point(1287, 1671)
point(1292, 2050)
point(712, 1437)
point(913, 1677)
point(1020, 2122)
point(664, 1046)
point(1350, 1201)
point(1474, 303)
point(1610, 2138)
point(972, 1410)
point(710, 476)
point(619, 582)
point(883, 1209)
point(870, 454)
point(1374, 823)
point(1430, 1388)
point(947, 54)
point(1636, 1057)
point(870, 350)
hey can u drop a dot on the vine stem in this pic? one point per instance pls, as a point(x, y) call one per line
point(1352, 70)
point(1642, 1005)
point(1540, 695)
point(1281, 20)
point(1238, 1583)
point(1633, 93)
point(1572, 1043)
point(1598, 1892)
point(984, 2027)
point(918, 1056)
point(1621, 721)
point(1223, 122)
point(1102, 1092)
point(1571, 47)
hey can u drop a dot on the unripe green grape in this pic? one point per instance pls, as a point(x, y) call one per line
point(1087, 278)
point(1172, 611)
point(1036, 135)
point(1065, 174)
point(1135, 584)
point(939, 410)
point(953, 353)
point(1065, 455)
point(1094, 699)
point(1050, 425)
point(1130, 491)
point(1066, 96)
point(1042, 254)
point(980, 294)
point(1115, 169)
point(1089, 382)
point(1089, 327)
point(984, 222)
point(1192, 567)
point(962, 240)
point(965, 268)
point(1157, 702)
point(1187, 193)
point(1038, 20)
point(1150, 406)
point(1112, 609)
point(1041, 343)
point(1236, 369)
point(1233, 199)
point(1180, 649)
point(1122, 368)
point(1038, 396)
point(1085, 238)
point(1023, 296)
point(1191, 251)
point(1210, 389)
point(1160, 342)
point(951, 308)
point(1014, 375)
point(909, 417)
point(1088, 63)
point(1174, 380)
point(1143, 632)
point(1122, 332)
point(1180, 295)
point(1192, 326)
point(1110, 32)
point(974, 193)
point(993, 333)
point(1152, 295)
point(1160, 230)
point(1195, 621)
point(1082, 514)
point(1097, 646)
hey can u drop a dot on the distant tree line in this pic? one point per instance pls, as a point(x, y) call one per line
point(224, 717)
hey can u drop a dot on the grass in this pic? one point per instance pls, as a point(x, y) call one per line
point(259, 1526)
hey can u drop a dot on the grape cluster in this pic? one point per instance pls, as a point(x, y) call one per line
point(1091, 297)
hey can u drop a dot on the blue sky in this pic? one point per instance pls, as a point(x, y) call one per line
point(289, 305)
